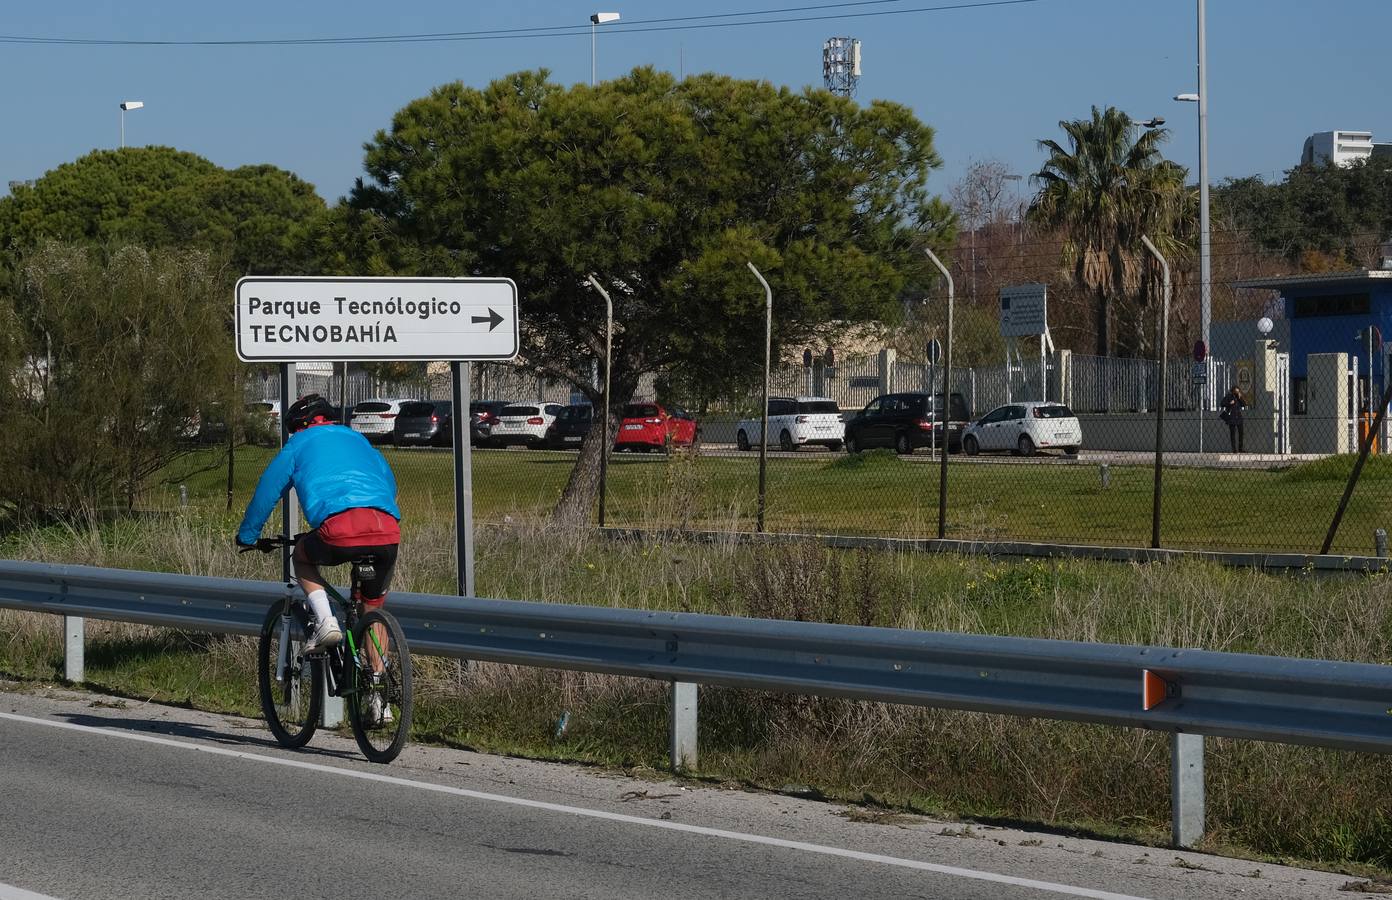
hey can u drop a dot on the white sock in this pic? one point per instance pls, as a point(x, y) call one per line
point(319, 606)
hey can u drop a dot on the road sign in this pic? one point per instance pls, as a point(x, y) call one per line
point(1024, 310)
point(934, 351)
point(1200, 373)
point(362, 319)
point(1200, 351)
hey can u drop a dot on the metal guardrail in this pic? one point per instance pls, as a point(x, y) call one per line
point(1297, 701)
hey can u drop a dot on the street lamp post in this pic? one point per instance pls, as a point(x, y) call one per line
point(599, 18)
point(129, 104)
point(1205, 270)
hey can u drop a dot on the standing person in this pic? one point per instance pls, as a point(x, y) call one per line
point(348, 494)
point(1233, 405)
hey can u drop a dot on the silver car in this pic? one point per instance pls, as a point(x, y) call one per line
point(375, 419)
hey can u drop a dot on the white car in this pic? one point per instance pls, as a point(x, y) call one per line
point(374, 419)
point(524, 423)
point(795, 422)
point(1023, 428)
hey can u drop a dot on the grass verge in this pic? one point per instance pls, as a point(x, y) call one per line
point(877, 494)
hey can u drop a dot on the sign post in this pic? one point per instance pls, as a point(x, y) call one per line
point(288, 319)
point(1200, 380)
point(935, 354)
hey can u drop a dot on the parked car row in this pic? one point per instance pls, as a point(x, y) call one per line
point(501, 423)
point(911, 420)
point(905, 421)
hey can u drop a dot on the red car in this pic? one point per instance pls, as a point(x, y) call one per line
point(650, 426)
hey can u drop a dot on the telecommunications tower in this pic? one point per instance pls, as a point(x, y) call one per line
point(841, 65)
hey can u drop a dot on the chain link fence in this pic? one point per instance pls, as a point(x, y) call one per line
point(1276, 491)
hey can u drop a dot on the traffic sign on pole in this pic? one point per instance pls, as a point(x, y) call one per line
point(934, 351)
point(1200, 351)
point(373, 319)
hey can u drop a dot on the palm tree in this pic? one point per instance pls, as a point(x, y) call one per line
point(1105, 191)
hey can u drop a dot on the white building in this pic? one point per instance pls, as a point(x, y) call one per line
point(1343, 148)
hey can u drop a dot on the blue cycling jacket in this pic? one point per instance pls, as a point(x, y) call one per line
point(332, 468)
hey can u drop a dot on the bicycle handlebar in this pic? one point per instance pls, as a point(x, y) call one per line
point(267, 544)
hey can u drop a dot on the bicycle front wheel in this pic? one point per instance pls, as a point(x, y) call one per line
point(288, 682)
point(379, 706)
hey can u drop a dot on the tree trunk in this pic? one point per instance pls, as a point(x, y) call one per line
point(579, 499)
point(1103, 311)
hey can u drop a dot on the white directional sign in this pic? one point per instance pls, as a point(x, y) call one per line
point(293, 319)
point(1024, 310)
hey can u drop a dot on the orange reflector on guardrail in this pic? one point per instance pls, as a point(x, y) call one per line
point(1154, 690)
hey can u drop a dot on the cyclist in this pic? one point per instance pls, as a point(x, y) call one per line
point(348, 494)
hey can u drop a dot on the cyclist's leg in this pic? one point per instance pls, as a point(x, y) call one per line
point(306, 571)
point(374, 595)
point(311, 552)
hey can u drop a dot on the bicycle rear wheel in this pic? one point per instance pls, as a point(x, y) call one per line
point(288, 682)
point(379, 706)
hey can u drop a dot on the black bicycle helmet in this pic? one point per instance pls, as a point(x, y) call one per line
point(305, 410)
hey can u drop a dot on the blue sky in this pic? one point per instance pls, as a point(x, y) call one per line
point(991, 81)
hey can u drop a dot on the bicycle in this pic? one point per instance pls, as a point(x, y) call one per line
point(292, 684)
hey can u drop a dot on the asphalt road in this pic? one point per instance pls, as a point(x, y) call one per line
point(107, 798)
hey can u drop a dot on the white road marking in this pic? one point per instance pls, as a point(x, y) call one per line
point(974, 874)
point(10, 892)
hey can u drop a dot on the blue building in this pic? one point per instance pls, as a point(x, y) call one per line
point(1327, 312)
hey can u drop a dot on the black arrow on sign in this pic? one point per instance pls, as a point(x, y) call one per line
point(492, 319)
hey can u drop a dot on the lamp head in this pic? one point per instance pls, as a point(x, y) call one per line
point(1187, 98)
point(1264, 325)
point(604, 18)
point(132, 104)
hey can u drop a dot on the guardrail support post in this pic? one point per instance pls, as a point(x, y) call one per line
point(73, 649)
point(683, 726)
point(1187, 788)
point(331, 715)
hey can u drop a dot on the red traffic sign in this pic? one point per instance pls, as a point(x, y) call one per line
point(1200, 351)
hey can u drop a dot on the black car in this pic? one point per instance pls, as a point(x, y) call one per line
point(428, 422)
point(906, 422)
point(483, 415)
point(570, 427)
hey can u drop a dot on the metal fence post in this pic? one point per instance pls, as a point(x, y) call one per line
point(1160, 398)
point(608, 362)
point(683, 725)
point(73, 660)
point(1186, 788)
point(763, 427)
point(947, 397)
